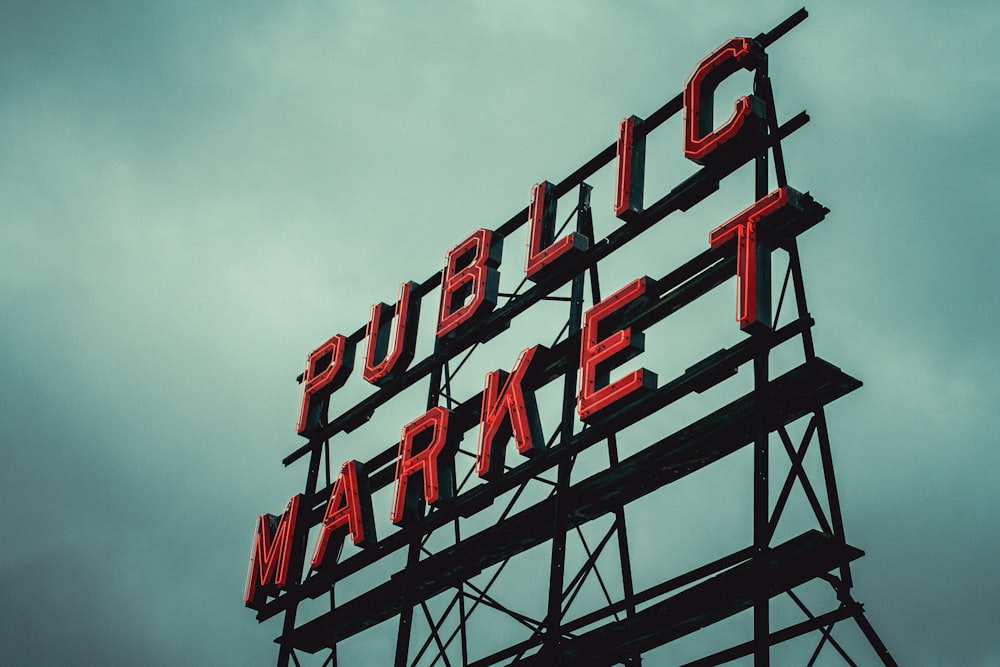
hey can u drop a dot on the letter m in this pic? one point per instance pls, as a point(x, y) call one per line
point(271, 555)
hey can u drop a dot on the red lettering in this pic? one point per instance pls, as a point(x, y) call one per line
point(599, 352)
point(427, 453)
point(631, 151)
point(349, 510)
point(470, 280)
point(508, 411)
point(544, 253)
point(271, 554)
point(753, 300)
point(392, 362)
point(327, 369)
point(701, 141)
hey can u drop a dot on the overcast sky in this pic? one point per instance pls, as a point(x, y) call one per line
point(192, 198)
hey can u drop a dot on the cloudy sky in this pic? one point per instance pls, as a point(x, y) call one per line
point(192, 198)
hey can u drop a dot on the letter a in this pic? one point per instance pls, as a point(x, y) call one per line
point(349, 510)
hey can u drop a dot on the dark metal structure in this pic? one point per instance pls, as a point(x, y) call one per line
point(437, 593)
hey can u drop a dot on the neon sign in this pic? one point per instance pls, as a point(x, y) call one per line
point(469, 285)
point(606, 387)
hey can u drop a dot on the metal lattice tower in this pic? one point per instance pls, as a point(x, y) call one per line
point(573, 521)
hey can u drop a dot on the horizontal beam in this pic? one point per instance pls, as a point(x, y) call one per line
point(709, 439)
point(843, 612)
point(789, 565)
point(673, 291)
point(703, 183)
point(717, 366)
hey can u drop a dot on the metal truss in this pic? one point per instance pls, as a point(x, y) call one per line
point(438, 595)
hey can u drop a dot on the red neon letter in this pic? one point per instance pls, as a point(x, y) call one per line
point(327, 369)
point(508, 410)
point(753, 301)
point(599, 354)
point(631, 168)
point(545, 253)
point(349, 510)
point(470, 280)
point(427, 451)
point(404, 340)
point(700, 140)
point(271, 554)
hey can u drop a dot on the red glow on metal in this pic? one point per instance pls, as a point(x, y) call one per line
point(700, 140)
point(271, 554)
point(327, 369)
point(348, 511)
point(427, 452)
point(508, 412)
point(631, 151)
point(404, 337)
point(470, 280)
point(543, 251)
point(599, 354)
point(744, 227)
point(610, 397)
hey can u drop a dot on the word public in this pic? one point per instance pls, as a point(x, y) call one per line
point(469, 291)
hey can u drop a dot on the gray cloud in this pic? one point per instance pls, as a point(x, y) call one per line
point(193, 198)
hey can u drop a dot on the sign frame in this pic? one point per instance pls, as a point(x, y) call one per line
point(597, 340)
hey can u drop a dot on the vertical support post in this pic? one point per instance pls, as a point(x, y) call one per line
point(761, 509)
point(464, 636)
point(832, 495)
point(628, 588)
point(761, 621)
point(413, 552)
point(333, 606)
point(557, 566)
point(823, 435)
point(406, 613)
point(586, 227)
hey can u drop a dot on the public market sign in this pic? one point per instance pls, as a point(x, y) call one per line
point(467, 313)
